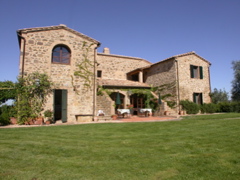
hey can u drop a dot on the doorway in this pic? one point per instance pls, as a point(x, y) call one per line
point(60, 105)
point(114, 98)
point(138, 102)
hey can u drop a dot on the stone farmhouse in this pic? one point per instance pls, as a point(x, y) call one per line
point(79, 73)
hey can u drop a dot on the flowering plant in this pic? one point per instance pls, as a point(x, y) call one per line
point(129, 106)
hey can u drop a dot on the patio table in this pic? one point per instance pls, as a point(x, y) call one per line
point(123, 111)
point(145, 111)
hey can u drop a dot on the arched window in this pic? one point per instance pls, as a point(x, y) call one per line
point(61, 54)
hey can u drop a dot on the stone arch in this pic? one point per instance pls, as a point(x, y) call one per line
point(61, 54)
point(113, 96)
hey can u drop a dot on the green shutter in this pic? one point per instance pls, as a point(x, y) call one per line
point(192, 71)
point(54, 105)
point(201, 98)
point(64, 105)
point(201, 72)
point(194, 97)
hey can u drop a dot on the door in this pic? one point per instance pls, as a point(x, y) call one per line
point(60, 105)
point(64, 105)
point(138, 102)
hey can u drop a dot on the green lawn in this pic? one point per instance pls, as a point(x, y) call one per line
point(198, 147)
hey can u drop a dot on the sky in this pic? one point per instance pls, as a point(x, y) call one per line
point(150, 29)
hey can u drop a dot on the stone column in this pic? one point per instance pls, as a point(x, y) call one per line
point(140, 76)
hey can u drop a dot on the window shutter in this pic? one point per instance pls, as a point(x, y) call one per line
point(201, 72)
point(191, 71)
point(64, 105)
point(201, 98)
point(194, 97)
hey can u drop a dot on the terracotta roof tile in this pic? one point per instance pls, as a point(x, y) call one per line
point(121, 56)
point(179, 55)
point(184, 54)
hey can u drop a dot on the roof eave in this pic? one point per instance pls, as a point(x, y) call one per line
point(121, 86)
point(48, 28)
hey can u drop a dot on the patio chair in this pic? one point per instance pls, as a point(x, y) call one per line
point(100, 113)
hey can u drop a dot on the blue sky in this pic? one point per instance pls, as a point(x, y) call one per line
point(150, 29)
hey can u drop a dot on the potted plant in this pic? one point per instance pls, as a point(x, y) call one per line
point(114, 117)
point(130, 107)
point(39, 120)
point(49, 115)
point(13, 115)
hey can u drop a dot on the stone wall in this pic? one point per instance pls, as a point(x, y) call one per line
point(116, 67)
point(105, 103)
point(188, 85)
point(39, 46)
point(161, 73)
point(178, 70)
point(164, 73)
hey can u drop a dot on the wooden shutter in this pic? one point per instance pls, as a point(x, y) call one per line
point(200, 98)
point(64, 105)
point(194, 97)
point(54, 105)
point(192, 71)
point(201, 72)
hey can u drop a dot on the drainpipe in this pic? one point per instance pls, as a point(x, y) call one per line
point(178, 85)
point(23, 56)
point(210, 88)
point(94, 81)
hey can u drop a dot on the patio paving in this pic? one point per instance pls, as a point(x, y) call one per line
point(149, 119)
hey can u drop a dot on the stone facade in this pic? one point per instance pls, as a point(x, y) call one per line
point(38, 57)
point(161, 73)
point(177, 69)
point(116, 67)
point(105, 103)
point(120, 72)
point(188, 85)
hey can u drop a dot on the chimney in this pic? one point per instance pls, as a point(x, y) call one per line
point(106, 50)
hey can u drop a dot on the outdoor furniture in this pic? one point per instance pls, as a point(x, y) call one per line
point(100, 113)
point(146, 112)
point(123, 111)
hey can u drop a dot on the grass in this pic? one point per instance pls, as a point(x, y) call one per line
point(198, 147)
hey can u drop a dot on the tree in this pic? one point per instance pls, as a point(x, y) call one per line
point(32, 95)
point(236, 81)
point(7, 91)
point(219, 96)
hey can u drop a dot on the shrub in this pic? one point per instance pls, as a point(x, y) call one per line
point(190, 107)
point(48, 113)
point(235, 107)
point(209, 108)
point(5, 115)
point(4, 119)
point(224, 107)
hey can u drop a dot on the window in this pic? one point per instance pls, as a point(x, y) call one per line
point(99, 73)
point(135, 77)
point(61, 54)
point(197, 98)
point(196, 72)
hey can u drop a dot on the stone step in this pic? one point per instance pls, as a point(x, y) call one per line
point(104, 118)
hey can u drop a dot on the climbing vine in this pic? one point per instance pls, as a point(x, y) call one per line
point(100, 91)
point(84, 68)
point(164, 90)
point(151, 101)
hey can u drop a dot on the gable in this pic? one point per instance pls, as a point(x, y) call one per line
point(194, 54)
point(51, 28)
